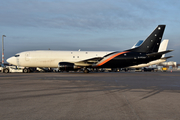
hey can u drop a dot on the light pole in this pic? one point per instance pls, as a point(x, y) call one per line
point(3, 50)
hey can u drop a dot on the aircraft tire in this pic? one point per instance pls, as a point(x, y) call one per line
point(6, 70)
point(25, 70)
point(114, 69)
point(86, 71)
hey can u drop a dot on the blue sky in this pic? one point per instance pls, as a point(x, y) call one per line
point(86, 24)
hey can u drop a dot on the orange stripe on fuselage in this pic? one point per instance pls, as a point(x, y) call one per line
point(110, 58)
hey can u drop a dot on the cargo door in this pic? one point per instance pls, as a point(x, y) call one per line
point(27, 55)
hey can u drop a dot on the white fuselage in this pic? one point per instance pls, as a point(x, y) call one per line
point(48, 58)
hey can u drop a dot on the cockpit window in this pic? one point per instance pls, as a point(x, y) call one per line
point(16, 56)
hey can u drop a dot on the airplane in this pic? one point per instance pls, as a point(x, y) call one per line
point(162, 47)
point(72, 60)
point(137, 44)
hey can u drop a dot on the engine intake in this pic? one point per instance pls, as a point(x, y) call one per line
point(66, 66)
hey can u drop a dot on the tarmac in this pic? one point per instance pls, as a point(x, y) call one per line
point(92, 96)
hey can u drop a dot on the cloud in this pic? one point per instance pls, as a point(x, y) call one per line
point(80, 14)
point(88, 22)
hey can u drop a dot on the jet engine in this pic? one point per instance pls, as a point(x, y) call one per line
point(66, 66)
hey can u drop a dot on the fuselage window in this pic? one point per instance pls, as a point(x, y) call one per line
point(73, 56)
point(16, 56)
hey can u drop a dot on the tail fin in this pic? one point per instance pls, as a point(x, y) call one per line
point(163, 46)
point(137, 44)
point(151, 44)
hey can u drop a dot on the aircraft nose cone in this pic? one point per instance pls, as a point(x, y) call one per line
point(10, 60)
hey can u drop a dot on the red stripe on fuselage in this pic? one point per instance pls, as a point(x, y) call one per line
point(110, 58)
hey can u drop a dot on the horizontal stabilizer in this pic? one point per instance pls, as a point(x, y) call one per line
point(159, 53)
point(167, 57)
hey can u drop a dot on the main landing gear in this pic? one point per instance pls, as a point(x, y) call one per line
point(86, 70)
point(26, 70)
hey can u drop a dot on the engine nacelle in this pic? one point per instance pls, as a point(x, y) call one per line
point(66, 66)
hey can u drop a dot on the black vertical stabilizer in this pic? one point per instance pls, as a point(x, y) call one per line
point(151, 44)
